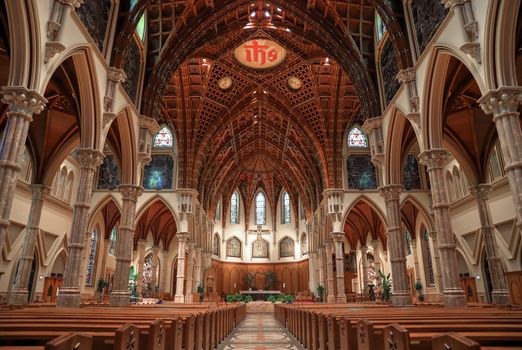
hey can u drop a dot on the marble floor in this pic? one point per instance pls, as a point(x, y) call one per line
point(260, 332)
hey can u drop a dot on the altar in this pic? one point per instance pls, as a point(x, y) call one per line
point(260, 294)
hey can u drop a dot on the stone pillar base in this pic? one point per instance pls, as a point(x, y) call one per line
point(454, 298)
point(18, 297)
point(330, 299)
point(121, 299)
point(341, 298)
point(500, 297)
point(401, 299)
point(180, 299)
point(69, 297)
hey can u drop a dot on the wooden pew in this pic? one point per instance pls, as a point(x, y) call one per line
point(453, 341)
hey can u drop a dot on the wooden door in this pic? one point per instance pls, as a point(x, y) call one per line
point(469, 286)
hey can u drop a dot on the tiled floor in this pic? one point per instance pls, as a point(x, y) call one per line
point(260, 332)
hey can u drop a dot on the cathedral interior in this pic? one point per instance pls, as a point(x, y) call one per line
point(180, 151)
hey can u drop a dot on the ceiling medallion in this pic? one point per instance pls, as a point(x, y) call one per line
point(225, 83)
point(295, 83)
point(260, 54)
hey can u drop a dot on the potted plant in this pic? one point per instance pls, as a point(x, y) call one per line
point(247, 299)
point(102, 285)
point(418, 288)
point(320, 293)
point(272, 299)
point(231, 298)
point(200, 292)
point(385, 283)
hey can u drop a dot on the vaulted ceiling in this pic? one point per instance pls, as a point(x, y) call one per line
point(260, 133)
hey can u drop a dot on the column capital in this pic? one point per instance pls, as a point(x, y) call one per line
point(371, 124)
point(182, 236)
point(89, 158)
point(406, 75)
point(149, 123)
point(72, 3)
point(480, 190)
point(500, 101)
point(23, 100)
point(434, 158)
point(433, 235)
point(39, 190)
point(337, 236)
point(130, 192)
point(116, 75)
point(452, 3)
point(413, 243)
point(390, 192)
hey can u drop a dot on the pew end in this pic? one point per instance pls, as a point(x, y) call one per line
point(70, 341)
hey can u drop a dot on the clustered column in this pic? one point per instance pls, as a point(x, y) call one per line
point(154, 269)
point(436, 257)
point(415, 259)
point(453, 294)
point(141, 262)
point(364, 269)
point(321, 270)
point(22, 104)
point(69, 295)
point(19, 295)
point(503, 104)
point(339, 265)
point(105, 252)
point(124, 245)
point(197, 268)
point(376, 255)
point(396, 244)
point(190, 272)
point(330, 297)
point(499, 294)
point(180, 274)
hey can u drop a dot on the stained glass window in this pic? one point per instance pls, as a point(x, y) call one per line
point(234, 208)
point(410, 175)
point(112, 246)
point(216, 245)
point(91, 260)
point(218, 210)
point(260, 209)
point(159, 172)
point(164, 138)
point(109, 173)
point(286, 208)
point(428, 263)
point(133, 3)
point(140, 30)
point(357, 139)
point(361, 172)
point(380, 27)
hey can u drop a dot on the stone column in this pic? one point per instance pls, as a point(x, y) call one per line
point(376, 243)
point(434, 160)
point(436, 258)
point(124, 245)
point(330, 292)
point(358, 272)
point(22, 104)
point(197, 269)
point(322, 266)
point(69, 295)
point(163, 275)
point(19, 295)
point(141, 262)
point(180, 274)
point(503, 103)
point(364, 269)
point(154, 269)
point(190, 272)
point(103, 265)
point(415, 260)
point(339, 265)
point(396, 243)
point(499, 294)
point(314, 272)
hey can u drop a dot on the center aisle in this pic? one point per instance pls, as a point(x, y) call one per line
point(260, 332)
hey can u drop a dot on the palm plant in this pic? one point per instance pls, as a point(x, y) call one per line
point(385, 283)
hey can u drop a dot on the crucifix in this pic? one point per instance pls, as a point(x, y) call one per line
point(259, 232)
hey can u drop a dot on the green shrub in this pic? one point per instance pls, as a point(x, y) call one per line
point(272, 299)
point(247, 299)
point(230, 298)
